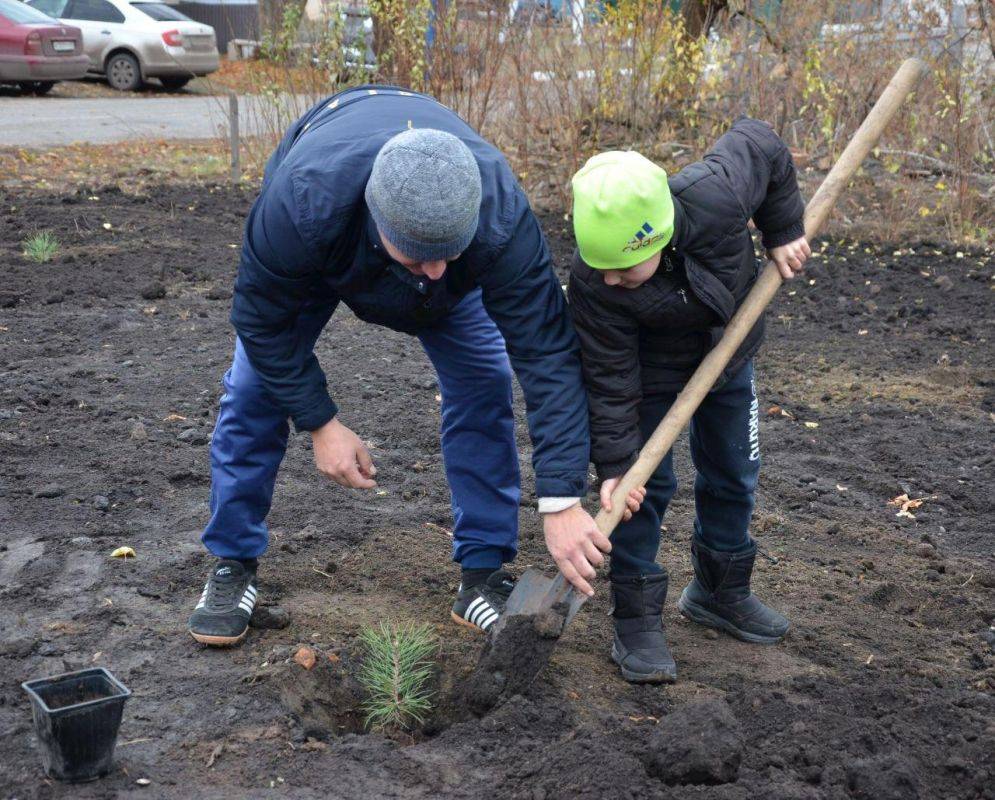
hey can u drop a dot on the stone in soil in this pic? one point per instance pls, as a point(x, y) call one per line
point(50, 490)
point(700, 743)
point(269, 618)
point(194, 436)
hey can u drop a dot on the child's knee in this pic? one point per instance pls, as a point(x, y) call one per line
point(732, 480)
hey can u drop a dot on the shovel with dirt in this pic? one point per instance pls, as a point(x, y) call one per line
point(540, 608)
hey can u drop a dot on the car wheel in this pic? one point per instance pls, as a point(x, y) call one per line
point(175, 83)
point(37, 87)
point(124, 72)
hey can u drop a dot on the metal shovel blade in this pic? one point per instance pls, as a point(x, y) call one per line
point(534, 593)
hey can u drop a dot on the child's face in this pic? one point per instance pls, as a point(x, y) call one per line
point(633, 277)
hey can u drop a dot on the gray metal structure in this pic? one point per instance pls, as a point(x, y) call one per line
point(230, 20)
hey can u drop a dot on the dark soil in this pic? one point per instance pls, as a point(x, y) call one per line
point(885, 687)
point(514, 655)
point(73, 692)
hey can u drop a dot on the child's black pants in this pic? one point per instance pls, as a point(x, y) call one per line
point(726, 454)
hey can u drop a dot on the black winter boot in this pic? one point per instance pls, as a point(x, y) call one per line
point(719, 596)
point(640, 645)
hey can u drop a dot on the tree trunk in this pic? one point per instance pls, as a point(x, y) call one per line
point(699, 16)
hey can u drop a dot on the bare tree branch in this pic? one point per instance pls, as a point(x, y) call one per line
point(942, 166)
point(986, 23)
point(773, 40)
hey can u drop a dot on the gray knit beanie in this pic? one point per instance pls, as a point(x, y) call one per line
point(424, 194)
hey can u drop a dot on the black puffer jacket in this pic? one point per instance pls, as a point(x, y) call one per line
point(649, 340)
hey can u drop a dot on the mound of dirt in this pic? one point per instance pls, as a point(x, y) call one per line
point(885, 777)
point(700, 743)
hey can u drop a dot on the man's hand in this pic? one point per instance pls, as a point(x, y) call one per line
point(790, 258)
point(632, 502)
point(576, 545)
point(340, 454)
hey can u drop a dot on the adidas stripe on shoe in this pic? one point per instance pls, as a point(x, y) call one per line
point(221, 616)
point(481, 606)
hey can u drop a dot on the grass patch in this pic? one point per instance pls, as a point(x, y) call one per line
point(41, 247)
point(397, 668)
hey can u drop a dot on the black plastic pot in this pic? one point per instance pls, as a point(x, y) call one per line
point(77, 716)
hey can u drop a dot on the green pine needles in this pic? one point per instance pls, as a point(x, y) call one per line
point(41, 247)
point(397, 667)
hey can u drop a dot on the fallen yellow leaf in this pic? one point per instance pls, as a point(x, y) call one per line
point(811, 424)
point(905, 503)
point(123, 552)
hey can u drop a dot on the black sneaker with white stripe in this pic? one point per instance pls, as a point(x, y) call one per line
point(225, 606)
point(480, 606)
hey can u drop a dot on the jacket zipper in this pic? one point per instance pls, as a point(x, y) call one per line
point(683, 295)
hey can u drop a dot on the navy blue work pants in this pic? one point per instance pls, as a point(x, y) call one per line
point(478, 442)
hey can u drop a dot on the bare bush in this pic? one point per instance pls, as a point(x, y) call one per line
point(551, 91)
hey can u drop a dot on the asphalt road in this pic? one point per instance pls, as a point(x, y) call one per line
point(50, 121)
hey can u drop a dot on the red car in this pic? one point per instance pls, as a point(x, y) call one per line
point(36, 50)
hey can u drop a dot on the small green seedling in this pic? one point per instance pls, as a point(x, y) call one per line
point(41, 247)
point(397, 667)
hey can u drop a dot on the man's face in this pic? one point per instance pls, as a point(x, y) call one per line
point(635, 276)
point(433, 270)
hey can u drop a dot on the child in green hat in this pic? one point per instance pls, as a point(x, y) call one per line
point(661, 267)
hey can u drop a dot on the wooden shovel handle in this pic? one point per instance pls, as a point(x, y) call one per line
point(763, 291)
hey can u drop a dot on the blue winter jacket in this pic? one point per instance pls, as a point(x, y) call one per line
point(310, 240)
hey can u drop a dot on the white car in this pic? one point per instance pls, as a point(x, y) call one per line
point(129, 41)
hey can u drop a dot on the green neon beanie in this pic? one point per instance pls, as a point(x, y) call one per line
point(623, 212)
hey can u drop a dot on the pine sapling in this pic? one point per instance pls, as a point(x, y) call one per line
point(397, 668)
point(41, 247)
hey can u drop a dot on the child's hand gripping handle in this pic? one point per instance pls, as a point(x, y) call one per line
point(708, 372)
